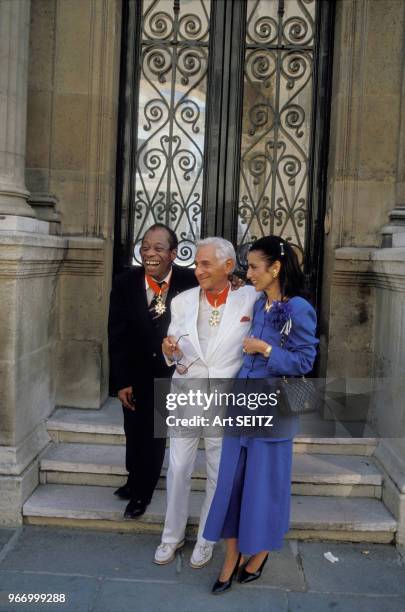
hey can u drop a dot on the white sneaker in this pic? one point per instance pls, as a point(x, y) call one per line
point(165, 553)
point(202, 555)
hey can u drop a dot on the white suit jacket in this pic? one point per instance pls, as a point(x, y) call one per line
point(225, 355)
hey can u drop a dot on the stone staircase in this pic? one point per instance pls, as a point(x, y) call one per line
point(336, 486)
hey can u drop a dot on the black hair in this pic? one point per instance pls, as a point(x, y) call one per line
point(291, 277)
point(173, 242)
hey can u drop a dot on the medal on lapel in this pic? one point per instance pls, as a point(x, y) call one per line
point(160, 307)
point(157, 304)
point(214, 318)
point(216, 301)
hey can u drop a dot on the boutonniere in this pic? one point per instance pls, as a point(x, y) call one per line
point(245, 319)
point(280, 314)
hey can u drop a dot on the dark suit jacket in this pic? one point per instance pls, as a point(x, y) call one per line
point(134, 339)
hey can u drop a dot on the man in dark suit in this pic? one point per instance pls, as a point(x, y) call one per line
point(138, 321)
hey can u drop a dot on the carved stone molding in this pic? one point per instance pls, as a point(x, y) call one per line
point(28, 269)
point(374, 268)
point(30, 255)
point(370, 279)
point(20, 257)
point(84, 257)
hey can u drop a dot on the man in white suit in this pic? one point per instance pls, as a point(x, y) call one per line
point(212, 322)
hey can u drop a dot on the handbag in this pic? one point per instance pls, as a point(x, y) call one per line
point(297, 394)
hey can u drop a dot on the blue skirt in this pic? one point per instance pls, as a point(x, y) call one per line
point(253, 494)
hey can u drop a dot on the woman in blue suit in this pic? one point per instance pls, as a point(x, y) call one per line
point(251, 506)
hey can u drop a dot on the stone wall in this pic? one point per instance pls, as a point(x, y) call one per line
point(71, 154)
point(388, 407)
point(363, 288)
point(362, 172)
point(59, 70)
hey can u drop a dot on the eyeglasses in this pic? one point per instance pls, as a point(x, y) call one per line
point(181, 368)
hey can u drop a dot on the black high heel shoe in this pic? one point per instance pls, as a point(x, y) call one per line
point(220, 587)
point(245, 576)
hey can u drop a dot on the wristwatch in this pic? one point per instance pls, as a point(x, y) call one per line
point(267, 351)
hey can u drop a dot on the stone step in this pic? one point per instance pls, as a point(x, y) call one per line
point(321, 518)
point(104, 426)
point(313, 474)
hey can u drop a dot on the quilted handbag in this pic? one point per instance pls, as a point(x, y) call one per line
point(298, 395)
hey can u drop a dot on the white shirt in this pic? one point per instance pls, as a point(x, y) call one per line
point(206, 332)
point(150, 293)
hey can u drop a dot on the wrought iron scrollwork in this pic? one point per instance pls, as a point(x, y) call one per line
point(168, 169)
point(275, 161)
point(276, 139)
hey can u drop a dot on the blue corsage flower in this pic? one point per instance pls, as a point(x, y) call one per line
point(280, 316)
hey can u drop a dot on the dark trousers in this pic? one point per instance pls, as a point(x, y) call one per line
point(144, 453)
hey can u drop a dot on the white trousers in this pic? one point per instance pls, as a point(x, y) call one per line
point(183, 453)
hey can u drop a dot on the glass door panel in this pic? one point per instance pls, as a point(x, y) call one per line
point(277, 120)
point(168, 165)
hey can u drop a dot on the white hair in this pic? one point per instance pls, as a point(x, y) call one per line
point(223, 248)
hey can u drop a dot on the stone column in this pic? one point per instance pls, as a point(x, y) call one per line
point(30, 261)
point(14, 38)
point(393, 234)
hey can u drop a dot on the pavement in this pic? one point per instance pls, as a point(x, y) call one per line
point(113, 572)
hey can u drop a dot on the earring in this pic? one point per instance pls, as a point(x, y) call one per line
point(274, 274)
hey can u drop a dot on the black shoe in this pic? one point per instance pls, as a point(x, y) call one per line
point(135, 508)
point(220, 587)
point(123, 492)
point(246, 576)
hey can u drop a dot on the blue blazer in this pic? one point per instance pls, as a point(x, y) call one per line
point(297, 355)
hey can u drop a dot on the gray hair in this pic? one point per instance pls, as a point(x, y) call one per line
point(223, 248)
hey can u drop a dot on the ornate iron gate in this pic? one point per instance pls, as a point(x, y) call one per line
point(224, 122)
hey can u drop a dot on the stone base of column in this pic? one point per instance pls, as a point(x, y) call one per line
point(14, 202)
point(15, 223)
point(30, 264)
point(44, 205)
point(14, 491)
point(393, 234)
point(19, 474)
